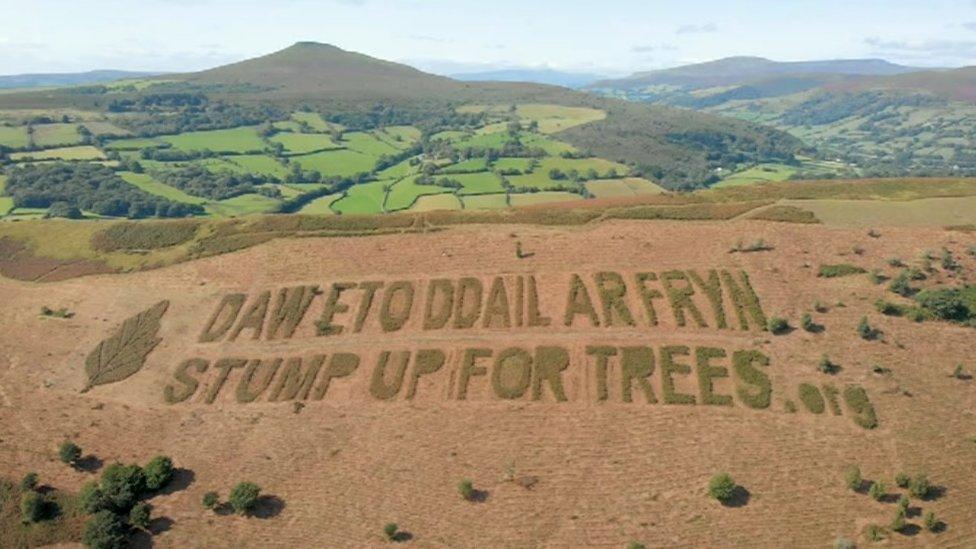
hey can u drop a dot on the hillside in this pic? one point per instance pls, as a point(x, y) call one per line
point(740, 70)
point(874, 117)
point(316, 129)
point(12, 81)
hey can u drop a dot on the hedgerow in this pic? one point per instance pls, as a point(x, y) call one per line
point(811, 398)
point(841, 270)
point(857, 401)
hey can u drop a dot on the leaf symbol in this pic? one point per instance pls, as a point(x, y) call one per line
point(125, 352)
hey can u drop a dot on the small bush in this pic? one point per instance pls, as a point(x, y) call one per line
point(904, 503)
point(826, 366)
point(875, 533)
point(896, 262)
point(919, 487)
point(876, 277)
point(69, 452)
point(878, 491)
point(29, 482)
point(901, 285)
point(902, 480)
point(865, 330)
point(930, 521)
point(244, 496)
point(466, 489)
point(778, 326)
point(390, 530)
point(898, 521)
point(844, 543)
point(721, 487)
point(807, 323)
point(211, 500)
point(852, 478)
point(105, 530)
point(159, 471)
point(636, 545)
point(32, 507)
point(139, 516)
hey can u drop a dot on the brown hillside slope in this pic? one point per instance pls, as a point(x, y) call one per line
point(605, 471)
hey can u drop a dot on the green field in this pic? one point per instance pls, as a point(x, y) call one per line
point(397, 171)
point(758, 174)
point(540, 178)
point(401, 136)
point(628, 186)
point(151, 186)
point(555, 118)
point(364, 198)
point(479, 183)
point(521, 164)
point(99, 127)
point(368, 144)
point(467, 166)
point(304, 143)
point(53, 135)
point(246, 204)
point(234, 140)
point(82, 152)
point(484, 202)
point(340, 163)
point(314, 120)
point(259, 164)
point(321, 206)
point(13, 137)
point(434, 202)
point(404, 193)
point(6, 203)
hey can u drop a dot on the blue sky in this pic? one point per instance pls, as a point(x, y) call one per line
point(606, 36)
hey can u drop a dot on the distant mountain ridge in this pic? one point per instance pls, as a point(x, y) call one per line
point(739, 70)
point(552, 77)
point(42, 80)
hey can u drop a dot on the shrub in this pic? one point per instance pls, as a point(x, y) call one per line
point(69, 452)
point(721, 487)
point(466, 489)
point(636, 545)
point(159, 471)
point(902, 480)
point(826, 366)
point(896, 262)
point(122, 485)
point(29, 482)
point(949, 262)
point(139, 515)
point(807, 323)
point(844, 543)
point(32, 507)
point(930, 521)
point(919, 487)
point(875, 533)
point(91, 498)
point(904, 503)
point(888, 308)
point(778, 326)
point(852, 478)
point(878, 491)
point(948, 303)
point(898, 522)
point(390, 530)
point(105, 530)
point(876, 277)
point(901, 285)
point(244, 496)
point(837, 271)
point(865, 330)
point(210, 500)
